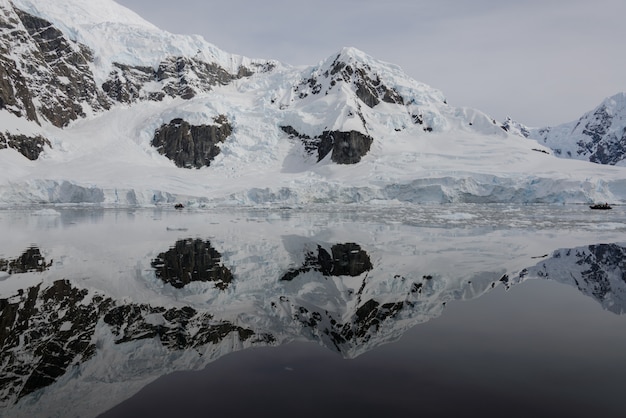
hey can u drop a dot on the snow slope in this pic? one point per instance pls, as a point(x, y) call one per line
point(423, 150)
point(117, 34)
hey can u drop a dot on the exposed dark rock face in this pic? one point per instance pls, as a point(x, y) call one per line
point(30, 260)
point(14, 94)
point(51, 69)
point(29, 147)
point(184, 77)
point(603, 147)
point(125, 84)
point(191, 146)
point(346, 260)
point(346, 147)
point(192, 260)
point(176, 76)
point(367, 85)
point(45, 74)
point(14, 87)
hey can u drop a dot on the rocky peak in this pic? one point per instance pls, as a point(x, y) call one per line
point(350, 69)
point(515, 128)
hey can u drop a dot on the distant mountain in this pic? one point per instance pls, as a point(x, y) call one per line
point(99, 106)
point(598, 136)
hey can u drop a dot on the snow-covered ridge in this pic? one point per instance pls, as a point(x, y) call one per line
point(118, 35)
point(598, 136)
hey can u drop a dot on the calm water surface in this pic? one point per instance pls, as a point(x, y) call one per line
point(439, 311)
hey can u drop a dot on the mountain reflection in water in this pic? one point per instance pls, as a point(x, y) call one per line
point(147, 308)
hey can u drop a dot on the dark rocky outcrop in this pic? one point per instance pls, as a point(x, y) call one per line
point(191, 146)
point(125, 84)
point(185, 77)
point(44, 74)
point(29, 147)
point(52, 74)
point(366, 84)
point(14, 86)
point(192, 260)
point(603, 147)
point(369, 87)
point(346, 147)
point(176, 76)
point(14, 94)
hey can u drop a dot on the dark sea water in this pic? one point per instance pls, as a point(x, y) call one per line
point(462, 310)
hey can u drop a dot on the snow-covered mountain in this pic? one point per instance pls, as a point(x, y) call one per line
point(598, 136)
point(99, 106)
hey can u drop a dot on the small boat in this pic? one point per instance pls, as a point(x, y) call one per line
point(601, 206)
point(179, 206)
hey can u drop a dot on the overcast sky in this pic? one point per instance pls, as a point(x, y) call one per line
point(542, 62)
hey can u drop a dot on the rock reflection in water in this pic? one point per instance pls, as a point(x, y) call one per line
point(192, 260)
point(345, 260)
point(44, 331)
point(598, 271)
point(31, 260)
point(49, 330)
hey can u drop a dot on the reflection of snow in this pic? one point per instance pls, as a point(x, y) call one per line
point(417, 266)
point(46, 212)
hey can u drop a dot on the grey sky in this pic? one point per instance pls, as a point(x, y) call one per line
point(542, 62)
